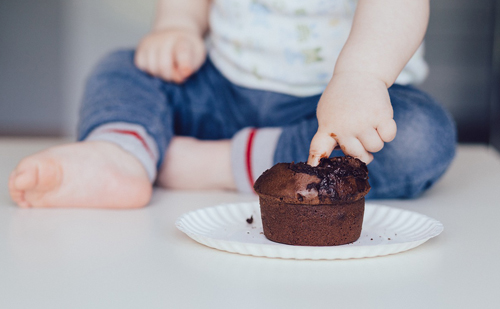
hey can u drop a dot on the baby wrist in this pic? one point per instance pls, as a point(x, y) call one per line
point(179, 25)
point(361, 75)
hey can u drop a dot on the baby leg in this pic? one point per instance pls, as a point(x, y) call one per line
point(232, 164)
point(219, 142)
point(209, 165)
point(99, 173)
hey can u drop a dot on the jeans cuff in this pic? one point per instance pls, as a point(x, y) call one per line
point(133, 139)
point(252, 153)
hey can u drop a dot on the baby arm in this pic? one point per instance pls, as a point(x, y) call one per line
point(355, 111)
point(174, 49)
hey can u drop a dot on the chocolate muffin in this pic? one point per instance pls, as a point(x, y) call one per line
point(314, 206)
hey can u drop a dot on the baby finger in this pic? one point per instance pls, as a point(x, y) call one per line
point(387, 130)
point(353, 147)
point(140, 59)
point(371, 141)
point(152, 62)
point(165, 61)
point(183, 53)
point(322, 146)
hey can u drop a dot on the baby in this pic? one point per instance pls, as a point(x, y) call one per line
point(284, 80)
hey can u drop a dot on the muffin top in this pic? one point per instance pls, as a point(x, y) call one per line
point(334, 180)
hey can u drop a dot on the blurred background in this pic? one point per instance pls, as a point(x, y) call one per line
point(48, 48)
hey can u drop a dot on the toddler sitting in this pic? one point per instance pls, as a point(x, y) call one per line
point(283, 81)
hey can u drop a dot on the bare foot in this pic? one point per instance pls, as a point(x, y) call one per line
point(194, 164)
point(86, 174)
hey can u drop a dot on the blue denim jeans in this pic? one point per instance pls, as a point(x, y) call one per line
point(208, 106)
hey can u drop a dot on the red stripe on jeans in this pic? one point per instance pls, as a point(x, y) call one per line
point(249, 157)
point(136, 135)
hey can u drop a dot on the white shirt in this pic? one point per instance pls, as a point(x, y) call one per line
point(287, 46)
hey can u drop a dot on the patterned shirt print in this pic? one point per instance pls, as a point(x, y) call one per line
point(287, 46)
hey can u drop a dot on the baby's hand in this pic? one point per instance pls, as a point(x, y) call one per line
point(172, 55)
point(354, 113)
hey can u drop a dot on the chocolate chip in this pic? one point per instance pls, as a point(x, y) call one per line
point(332, 172)
point(300, 197)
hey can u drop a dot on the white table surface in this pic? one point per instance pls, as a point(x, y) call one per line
point(80, 258)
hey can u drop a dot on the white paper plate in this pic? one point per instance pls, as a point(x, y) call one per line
point(385, 231)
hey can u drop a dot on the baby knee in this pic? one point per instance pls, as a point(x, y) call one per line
point(120, 61)
point(427, 143)
point(431, 134)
